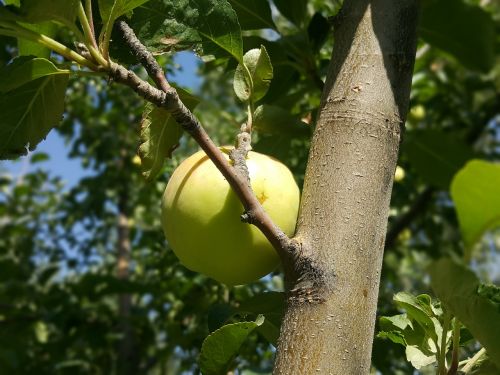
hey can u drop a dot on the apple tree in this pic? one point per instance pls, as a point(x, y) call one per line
point(88, 283)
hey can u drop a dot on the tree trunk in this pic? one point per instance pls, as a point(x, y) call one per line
point(328, 328)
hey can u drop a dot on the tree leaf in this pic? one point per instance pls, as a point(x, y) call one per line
point(436, 155)
point(295, 11)
point(29, 112)
point(36, 11)
point(29, 48)
point(468, 33)
point(218, 314)
point(16, 3)
point(110, 10)
point(165, 25)
point(420, 310)
point(25, 69)
point(253, 14)
point(418, 358)
point(264, 303)
point(457, 287)
point(474, 191)
point(395, 336)
point(318, 31)
point(220, 347)
point(259, 67)
point(271, 119)
point(159, 136)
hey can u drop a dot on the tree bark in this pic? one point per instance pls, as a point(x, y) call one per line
point(328, 325)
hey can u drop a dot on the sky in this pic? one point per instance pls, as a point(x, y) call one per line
point(70, 170)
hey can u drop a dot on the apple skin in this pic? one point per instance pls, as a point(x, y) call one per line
point(201, 217)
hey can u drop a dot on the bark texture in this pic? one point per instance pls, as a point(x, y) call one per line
point(328, 327)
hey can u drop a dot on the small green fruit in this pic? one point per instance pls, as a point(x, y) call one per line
point(201, 217)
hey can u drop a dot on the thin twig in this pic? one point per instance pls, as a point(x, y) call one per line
point(145, 57)
point(168, 98)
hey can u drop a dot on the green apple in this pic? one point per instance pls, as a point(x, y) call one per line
point(399, 174)
point(201, 217)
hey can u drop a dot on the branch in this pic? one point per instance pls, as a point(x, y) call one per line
point(166, 96)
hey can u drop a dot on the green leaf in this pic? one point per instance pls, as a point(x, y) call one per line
point(457, 288)
point(36, 11)
point(468, 33)
point(25, 69)
point(418, 357)
point(264, 303)
point(253, 14)
point(165, 25)
point(16, 3)
point(490, 291)
point(110, 10)
point(318, 31)
point(253, 82)
point(220, 347)
point(271, 305)
point(389, 323)
point(419, 308)
point(271, 119)
point(160, 135)
point(474, 191)
point(219, 314)
point(436, 155)
point(29, 112)
point(395, 336)
point(295, 11)
point(29, 48)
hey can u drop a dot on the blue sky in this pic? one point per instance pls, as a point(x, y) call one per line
point(70, 170)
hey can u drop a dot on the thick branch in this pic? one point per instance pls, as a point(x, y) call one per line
point(167, 97)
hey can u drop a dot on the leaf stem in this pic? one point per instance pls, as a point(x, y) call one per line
point(12, 29)
point(442, 347)
point(456, 347)
point(250, 116)
point(87, 31)
point(88, 12)
point(89, 37)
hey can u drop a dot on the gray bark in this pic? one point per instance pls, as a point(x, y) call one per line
point(328, 327)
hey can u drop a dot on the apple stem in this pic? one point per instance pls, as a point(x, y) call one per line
point(165, 96)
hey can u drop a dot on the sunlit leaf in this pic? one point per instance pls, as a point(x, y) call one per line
point(221, 346)
point(253, 77)
point(457, 287)
point(29, 112)
point(165, 25)
point(474, 191)
point(160, 135)
point(25, 69)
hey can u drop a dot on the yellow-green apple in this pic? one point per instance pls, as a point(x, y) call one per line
point(201, 217)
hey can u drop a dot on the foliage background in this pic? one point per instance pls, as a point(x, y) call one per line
point(60, 309)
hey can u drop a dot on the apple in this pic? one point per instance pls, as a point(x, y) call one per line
point(201, 217)
point(399, 174)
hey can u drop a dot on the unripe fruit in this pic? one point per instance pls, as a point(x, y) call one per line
point(399, 174)
point(201, 217)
